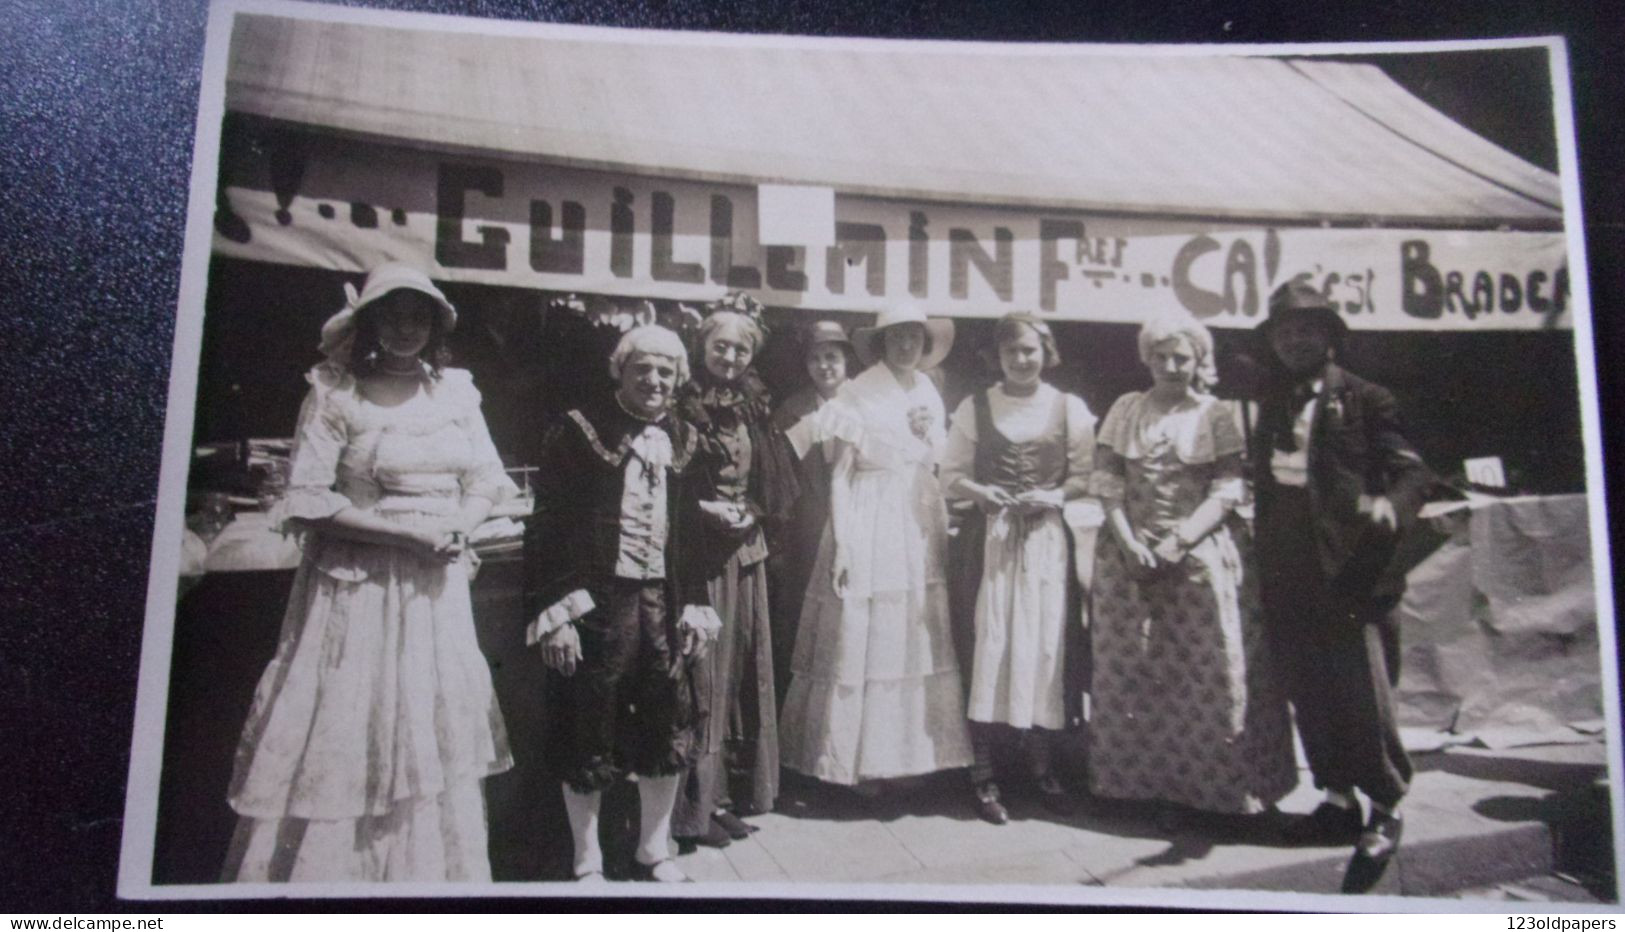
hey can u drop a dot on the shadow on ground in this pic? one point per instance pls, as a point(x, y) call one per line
point(1575, 808)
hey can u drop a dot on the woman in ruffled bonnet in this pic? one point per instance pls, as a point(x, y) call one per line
point(750, 484)
point(1185, 709)
point(375, 721)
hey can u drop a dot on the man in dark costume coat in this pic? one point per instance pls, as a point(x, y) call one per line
point(616, 608)
point(1336, 483)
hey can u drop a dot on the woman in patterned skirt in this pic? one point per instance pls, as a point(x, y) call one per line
point(1184, 708)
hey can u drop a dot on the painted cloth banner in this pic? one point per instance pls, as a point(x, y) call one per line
point(316, 200)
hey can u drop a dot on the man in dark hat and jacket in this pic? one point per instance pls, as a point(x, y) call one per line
point(1336, 482)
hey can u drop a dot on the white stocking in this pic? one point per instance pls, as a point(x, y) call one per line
point(656, 797)
point(582, 809)
point(1343, 799)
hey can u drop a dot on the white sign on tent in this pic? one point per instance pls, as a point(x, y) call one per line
point(568, 229)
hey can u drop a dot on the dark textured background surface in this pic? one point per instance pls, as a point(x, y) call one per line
point(97, 107)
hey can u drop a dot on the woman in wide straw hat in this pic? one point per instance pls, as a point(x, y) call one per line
point(375, 721)
point(875, 689)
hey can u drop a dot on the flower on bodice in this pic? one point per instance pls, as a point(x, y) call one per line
point(919, 421)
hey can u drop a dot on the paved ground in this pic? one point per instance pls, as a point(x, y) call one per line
point(1544, 888)
point(1476, 820)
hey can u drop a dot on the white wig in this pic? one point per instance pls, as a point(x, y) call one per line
point(650, 340)
point(1166, 325)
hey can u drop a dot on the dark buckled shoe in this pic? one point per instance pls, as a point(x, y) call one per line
point(1055, 797)
point(988, 805)
point(736, 827)
point(714, 837)
point(1380, 839)
point(1327, 825)
point(665, 871)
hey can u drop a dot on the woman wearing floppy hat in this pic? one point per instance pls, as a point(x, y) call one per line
point(375, 721)
point(875, 689)
point(829, 360)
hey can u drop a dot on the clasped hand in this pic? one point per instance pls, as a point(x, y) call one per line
point(728, 516)
point(1031, 502)
point(444, 544)
point(1169, 549)
point(1164, 552)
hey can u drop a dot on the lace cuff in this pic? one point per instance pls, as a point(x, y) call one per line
point(305, 504)
point(561, 613)
point(701, 618)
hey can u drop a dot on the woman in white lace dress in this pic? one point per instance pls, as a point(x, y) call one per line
point(375, 721)
point(875, 689)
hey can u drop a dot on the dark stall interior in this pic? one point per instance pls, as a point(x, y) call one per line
point(1502, 393)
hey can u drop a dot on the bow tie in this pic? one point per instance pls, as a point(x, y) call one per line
point(1302, 394)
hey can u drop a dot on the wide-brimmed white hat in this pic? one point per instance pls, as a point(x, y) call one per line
point(866, 340)
point(338, 334)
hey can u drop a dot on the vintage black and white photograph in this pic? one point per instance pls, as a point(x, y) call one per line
point(610, 462)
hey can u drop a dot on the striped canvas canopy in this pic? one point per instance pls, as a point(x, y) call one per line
point(1281, 140)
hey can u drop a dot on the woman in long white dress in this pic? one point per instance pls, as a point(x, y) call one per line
point(875, 689)
point(375, 721)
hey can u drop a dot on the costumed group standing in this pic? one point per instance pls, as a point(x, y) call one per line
point(720, 588)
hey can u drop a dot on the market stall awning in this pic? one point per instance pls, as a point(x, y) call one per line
point(1183, 135)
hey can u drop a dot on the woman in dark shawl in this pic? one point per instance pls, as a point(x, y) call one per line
point(750, 473)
